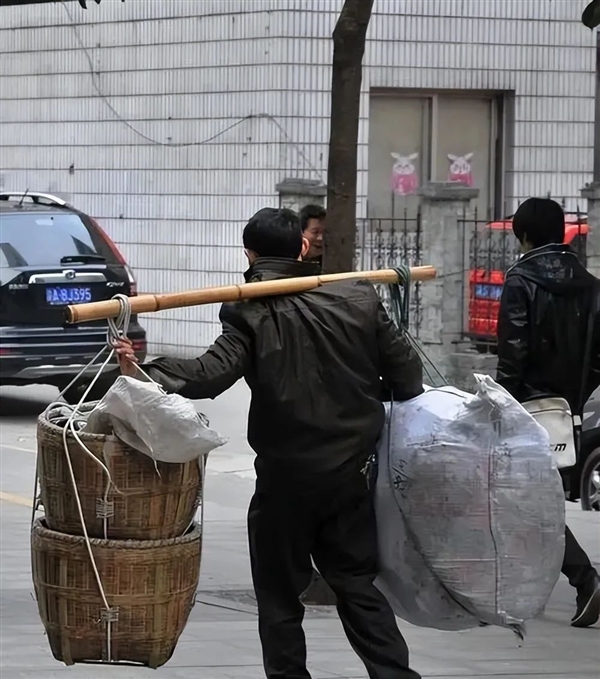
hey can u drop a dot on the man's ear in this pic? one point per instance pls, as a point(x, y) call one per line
point(305, 247)
point(251, 256)
point(524, 243)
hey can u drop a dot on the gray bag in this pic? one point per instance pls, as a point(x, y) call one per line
point(470, 510)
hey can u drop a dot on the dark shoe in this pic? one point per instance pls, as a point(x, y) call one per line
point(588, 604)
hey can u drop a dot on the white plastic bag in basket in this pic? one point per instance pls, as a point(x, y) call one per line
point(166, 427)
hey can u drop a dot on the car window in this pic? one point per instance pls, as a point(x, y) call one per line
point(32, 239)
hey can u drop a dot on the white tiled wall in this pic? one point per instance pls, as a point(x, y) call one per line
point(178, 118)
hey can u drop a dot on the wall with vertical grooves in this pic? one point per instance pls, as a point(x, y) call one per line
point(172, 122)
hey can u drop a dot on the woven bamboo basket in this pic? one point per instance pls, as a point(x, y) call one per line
point(153, 502)
point(150, 587)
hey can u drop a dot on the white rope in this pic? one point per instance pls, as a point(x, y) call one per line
point(117, 329)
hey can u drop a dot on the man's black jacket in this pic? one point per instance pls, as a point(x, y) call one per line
point(314, 363)
point(544, 313)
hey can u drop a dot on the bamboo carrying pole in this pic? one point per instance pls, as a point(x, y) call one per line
point(97, 311)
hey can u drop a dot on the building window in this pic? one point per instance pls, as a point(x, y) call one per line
point(417, 137)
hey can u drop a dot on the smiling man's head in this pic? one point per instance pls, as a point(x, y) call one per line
point(312, 221)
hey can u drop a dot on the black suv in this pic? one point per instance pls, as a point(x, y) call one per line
point(52, 255)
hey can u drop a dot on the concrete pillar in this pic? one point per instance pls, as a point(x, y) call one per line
point(295, 193)
point(592, 194)
point(444, 204)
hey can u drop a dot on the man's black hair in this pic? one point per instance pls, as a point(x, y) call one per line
point(309, 212)
point(274, 232)
point(539, 221)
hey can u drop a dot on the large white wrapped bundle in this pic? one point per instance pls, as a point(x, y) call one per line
point(470, 510)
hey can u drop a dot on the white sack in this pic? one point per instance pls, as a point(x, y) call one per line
point(166, 427)
point(470, 510)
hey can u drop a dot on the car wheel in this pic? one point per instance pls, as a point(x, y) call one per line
point(590, 482)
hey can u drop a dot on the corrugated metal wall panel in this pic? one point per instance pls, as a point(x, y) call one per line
point(173, 121)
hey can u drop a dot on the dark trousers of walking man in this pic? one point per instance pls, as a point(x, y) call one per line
point(336, 526)
point(581, 574)
point(577, 566)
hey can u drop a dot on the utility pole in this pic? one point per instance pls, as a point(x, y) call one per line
point(597, 115)
point(591, 192)
point(591, 19)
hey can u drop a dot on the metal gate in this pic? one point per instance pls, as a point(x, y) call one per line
point(389, 243)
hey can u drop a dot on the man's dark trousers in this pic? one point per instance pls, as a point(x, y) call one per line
point(576, 565)
point(336, 526)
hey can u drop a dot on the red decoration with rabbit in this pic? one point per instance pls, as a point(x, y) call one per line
point(405, 180)
point(461, 169)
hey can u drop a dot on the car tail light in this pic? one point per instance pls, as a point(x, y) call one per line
point(118, 255)
point(5, 352)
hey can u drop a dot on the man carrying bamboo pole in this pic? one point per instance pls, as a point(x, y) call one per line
point(319, 365)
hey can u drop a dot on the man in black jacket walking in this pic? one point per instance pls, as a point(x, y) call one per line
point(318, 365)
point(547, 302)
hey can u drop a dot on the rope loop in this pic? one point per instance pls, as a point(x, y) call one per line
point(400, 309)
point(118, 327)
point(404, 275)
point(400, 297)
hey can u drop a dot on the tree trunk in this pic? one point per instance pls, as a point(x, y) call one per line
point(349, 38)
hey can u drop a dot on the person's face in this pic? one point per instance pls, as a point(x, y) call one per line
point(314, 235)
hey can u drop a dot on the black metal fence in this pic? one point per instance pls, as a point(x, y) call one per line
point(389, 243)
point(490, 248)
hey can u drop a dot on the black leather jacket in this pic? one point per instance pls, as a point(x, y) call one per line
point(314, 363)
point(544, 314)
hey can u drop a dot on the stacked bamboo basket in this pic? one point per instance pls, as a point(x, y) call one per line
point(120, 589)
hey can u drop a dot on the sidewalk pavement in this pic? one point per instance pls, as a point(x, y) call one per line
point(221, 642)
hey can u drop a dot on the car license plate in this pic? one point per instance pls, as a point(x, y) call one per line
point(62, 294)
point(492, 292)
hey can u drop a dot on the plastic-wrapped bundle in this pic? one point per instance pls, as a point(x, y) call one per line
point(166, 427)
point(470, 510)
